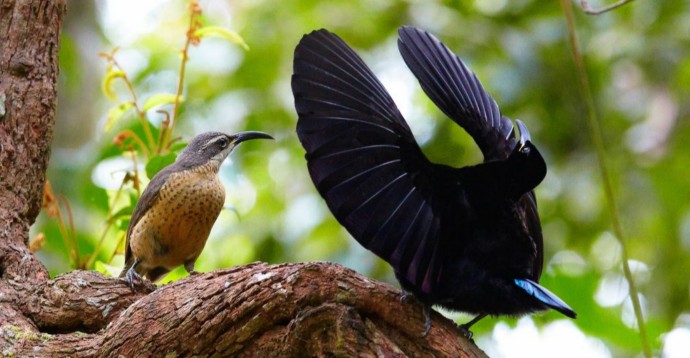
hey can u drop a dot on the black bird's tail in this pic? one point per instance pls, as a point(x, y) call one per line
point(545, 296)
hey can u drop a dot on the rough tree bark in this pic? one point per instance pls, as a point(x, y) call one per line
point(303, 309)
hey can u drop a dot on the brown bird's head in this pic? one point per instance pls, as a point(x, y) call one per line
point(214, 147)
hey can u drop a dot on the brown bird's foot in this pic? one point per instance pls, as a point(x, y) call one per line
point(133, 278)
point(189, 266)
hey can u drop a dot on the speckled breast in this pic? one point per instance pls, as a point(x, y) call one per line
point(179, 223)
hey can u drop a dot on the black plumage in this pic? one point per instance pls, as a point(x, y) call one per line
point(467, 239)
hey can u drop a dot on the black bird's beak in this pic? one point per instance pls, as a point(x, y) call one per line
point(243, 136)
point(524, 133)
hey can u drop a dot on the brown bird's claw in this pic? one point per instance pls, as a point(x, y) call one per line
point(189, 266)
point(133, 278)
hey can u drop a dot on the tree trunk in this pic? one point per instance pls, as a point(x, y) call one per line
point(303, 309)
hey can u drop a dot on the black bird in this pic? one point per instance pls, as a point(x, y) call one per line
point(466, 239)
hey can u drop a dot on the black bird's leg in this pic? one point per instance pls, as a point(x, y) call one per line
point(427, 320)
point(404, 295)
point(189, 266)
point(132, 274)
point(465, 328)
point(427, 311)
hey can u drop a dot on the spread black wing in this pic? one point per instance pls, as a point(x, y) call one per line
point(148, 197)
point(460, 95)
point(457, 92)
point(364, 160)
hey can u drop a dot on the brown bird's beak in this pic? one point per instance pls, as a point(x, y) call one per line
point(243, 136)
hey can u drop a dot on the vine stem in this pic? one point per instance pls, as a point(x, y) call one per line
point(108, 224)
point(195, 12)
point(140, 113)
point(595, 133)
point(590, 11)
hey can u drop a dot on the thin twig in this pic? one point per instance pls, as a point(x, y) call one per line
point(164, 129)
point(195, 12)
point(119, 242)
point(71, 236)
point(595, 132)
point(590, 11)
point(108, 224)
point(140, 113)
point(128, 133)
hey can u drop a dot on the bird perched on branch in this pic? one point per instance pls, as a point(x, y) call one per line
point(466, 239)
point(178, 208)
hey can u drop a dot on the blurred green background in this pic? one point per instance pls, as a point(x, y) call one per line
point(638, 60)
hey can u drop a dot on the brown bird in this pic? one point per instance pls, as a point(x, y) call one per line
point(177, 210)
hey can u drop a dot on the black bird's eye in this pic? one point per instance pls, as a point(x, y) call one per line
point(223, 142)
point(525, 150)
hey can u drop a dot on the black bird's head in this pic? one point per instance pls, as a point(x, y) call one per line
point(527, 166)
point(214, 147)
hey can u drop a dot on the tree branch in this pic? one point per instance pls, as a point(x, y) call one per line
point(302, 309)
point(29, 43)
point(83, 301)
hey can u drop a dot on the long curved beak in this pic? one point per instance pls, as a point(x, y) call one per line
point(243, 136)
point(524, 133)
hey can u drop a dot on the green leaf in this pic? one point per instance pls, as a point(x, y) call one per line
point(218, 31)
point(117, 112)
point(159, 100)
point(104, 268)
point(123, 213)
point(107, 84)
point(123, 224)
point(159, 162)
point(177, 146)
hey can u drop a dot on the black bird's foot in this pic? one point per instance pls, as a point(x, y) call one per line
point(194, 273)
point(465, 328)
point(404, 296)
point(427, 320)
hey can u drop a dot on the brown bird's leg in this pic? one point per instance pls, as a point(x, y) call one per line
point(189, 266)
point(132, 275)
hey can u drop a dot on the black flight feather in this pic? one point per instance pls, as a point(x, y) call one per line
point(467, 239)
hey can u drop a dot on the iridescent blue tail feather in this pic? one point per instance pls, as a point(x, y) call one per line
point(545, 296)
